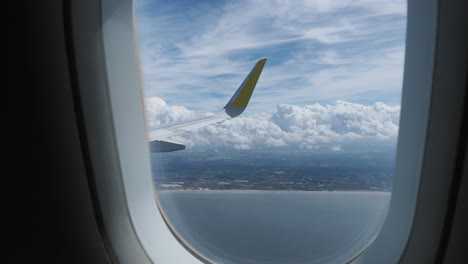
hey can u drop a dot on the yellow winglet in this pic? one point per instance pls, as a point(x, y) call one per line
point(241, 98)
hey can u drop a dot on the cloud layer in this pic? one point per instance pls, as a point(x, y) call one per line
point(316, 126)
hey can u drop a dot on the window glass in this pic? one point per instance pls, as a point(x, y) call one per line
point(304, 173)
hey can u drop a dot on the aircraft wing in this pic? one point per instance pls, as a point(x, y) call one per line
point(159, 138)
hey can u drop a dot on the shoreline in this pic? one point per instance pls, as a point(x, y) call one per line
point(272, 191)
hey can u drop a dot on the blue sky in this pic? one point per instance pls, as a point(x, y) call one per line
point(196, 53)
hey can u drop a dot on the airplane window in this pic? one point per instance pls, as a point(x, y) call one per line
point(272, 125)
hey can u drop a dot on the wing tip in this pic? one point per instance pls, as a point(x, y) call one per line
point(241, 98)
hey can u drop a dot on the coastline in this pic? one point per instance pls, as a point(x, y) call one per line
point(275, 191)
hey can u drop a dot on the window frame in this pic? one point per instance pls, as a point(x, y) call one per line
point(132, 226)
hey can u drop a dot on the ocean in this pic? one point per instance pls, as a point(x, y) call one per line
point(276, 226)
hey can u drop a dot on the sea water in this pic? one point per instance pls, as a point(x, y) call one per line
point(276, 226)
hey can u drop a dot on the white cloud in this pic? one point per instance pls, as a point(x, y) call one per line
point(159, 113)
point(336, 148)
point(307, 127)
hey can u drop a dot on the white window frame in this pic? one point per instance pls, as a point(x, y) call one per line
point(132, 226)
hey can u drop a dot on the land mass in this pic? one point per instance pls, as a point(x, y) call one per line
point(279, 170)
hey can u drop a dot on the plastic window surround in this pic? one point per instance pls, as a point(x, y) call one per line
point(108, 77)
